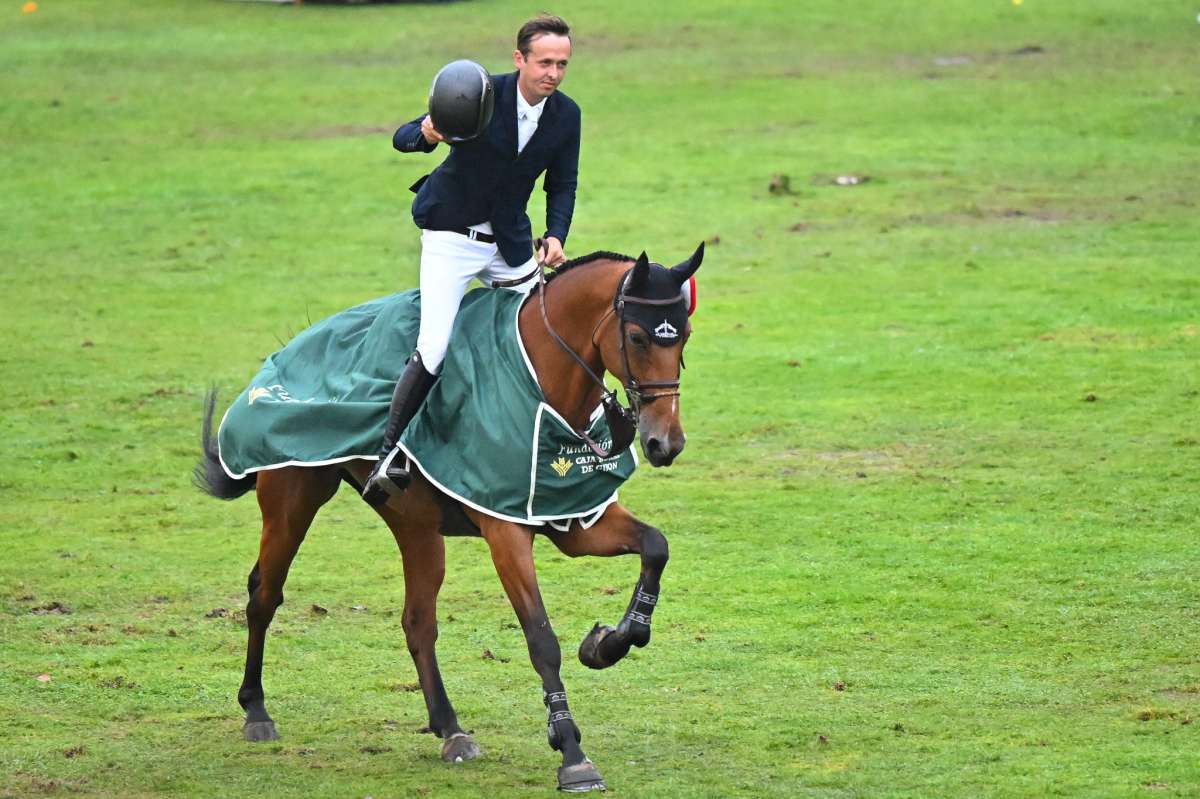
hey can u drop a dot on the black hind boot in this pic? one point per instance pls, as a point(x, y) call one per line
point(390, 476)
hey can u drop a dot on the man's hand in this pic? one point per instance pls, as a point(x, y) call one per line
point(430, 132)
point(552, 252)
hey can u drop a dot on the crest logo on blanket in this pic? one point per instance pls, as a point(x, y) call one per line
point(583, 457)
point(276, 393)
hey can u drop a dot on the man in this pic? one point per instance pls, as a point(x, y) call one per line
point(471, 211)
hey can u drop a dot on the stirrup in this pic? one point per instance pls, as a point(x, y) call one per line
point(386, 480)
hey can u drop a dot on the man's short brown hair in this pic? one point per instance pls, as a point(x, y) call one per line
point(538, 26)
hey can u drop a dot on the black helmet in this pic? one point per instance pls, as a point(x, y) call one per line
point(461, 100)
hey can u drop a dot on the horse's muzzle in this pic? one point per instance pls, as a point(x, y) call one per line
point(662, 451)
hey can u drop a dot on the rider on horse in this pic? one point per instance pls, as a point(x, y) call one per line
point(471, 209)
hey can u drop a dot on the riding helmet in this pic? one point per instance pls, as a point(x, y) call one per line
point(461, 100)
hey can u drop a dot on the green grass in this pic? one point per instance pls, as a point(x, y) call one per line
point(934, 533)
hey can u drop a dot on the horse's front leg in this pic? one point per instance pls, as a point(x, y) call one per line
point(618, 532)
point(512, 553)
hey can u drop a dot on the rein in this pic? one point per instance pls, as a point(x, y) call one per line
point(622, 421)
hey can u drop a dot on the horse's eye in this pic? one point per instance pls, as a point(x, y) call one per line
point(638, 339)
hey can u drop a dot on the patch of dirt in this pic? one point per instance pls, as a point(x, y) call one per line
point(42, 785)
point(780, 184)
point(347, 131)
point(1155, 714)
point(50, 607)
point(375, 750)
point(1096, 337)
point(853, 463)
point(877, 460)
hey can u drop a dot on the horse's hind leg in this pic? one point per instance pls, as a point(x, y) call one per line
point(289, 499)
point(618, 532)
point(424, 554)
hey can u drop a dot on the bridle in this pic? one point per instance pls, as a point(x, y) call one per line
point(636, 390)
point(622, 421)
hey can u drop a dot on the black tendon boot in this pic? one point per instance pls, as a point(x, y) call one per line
point(390, 476)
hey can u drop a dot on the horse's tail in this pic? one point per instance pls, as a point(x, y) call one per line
point(209, 476)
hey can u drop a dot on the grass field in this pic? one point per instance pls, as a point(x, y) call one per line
point(935, 530)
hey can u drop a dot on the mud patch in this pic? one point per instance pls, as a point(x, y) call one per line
point(48, 608)
point(1094, 338)
point(346, 131)
point(853, 464)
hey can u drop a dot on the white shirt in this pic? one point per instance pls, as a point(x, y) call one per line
point(528, 117)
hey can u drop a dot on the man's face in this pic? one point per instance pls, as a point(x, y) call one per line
point(543, 68)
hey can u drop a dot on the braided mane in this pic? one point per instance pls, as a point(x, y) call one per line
point(599, 255)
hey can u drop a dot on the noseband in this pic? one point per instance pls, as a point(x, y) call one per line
point(622, 421)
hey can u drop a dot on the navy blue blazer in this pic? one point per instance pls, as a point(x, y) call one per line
point(487, 180)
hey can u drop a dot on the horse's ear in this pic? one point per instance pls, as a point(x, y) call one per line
point(681, 272)
point(641, 272)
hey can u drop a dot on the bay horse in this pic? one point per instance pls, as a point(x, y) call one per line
point(583, 323)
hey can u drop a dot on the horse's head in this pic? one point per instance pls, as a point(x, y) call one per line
point(645, 349)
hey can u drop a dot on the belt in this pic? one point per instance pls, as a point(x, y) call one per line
point(473, 234)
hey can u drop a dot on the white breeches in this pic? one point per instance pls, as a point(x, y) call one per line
point(449, 261)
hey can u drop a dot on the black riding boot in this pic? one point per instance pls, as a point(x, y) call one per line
point(389, 477)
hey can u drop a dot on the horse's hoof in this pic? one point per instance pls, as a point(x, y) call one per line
point(459, 748)
point(580, 778)
point(259, 731)
point(589, 649)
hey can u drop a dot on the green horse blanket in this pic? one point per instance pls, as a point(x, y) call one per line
point(485, 434)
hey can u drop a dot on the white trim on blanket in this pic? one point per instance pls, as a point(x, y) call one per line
point(521, 344)
point(585, 523)
point(544, 408)
point(560, 523)
point(271, 466)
